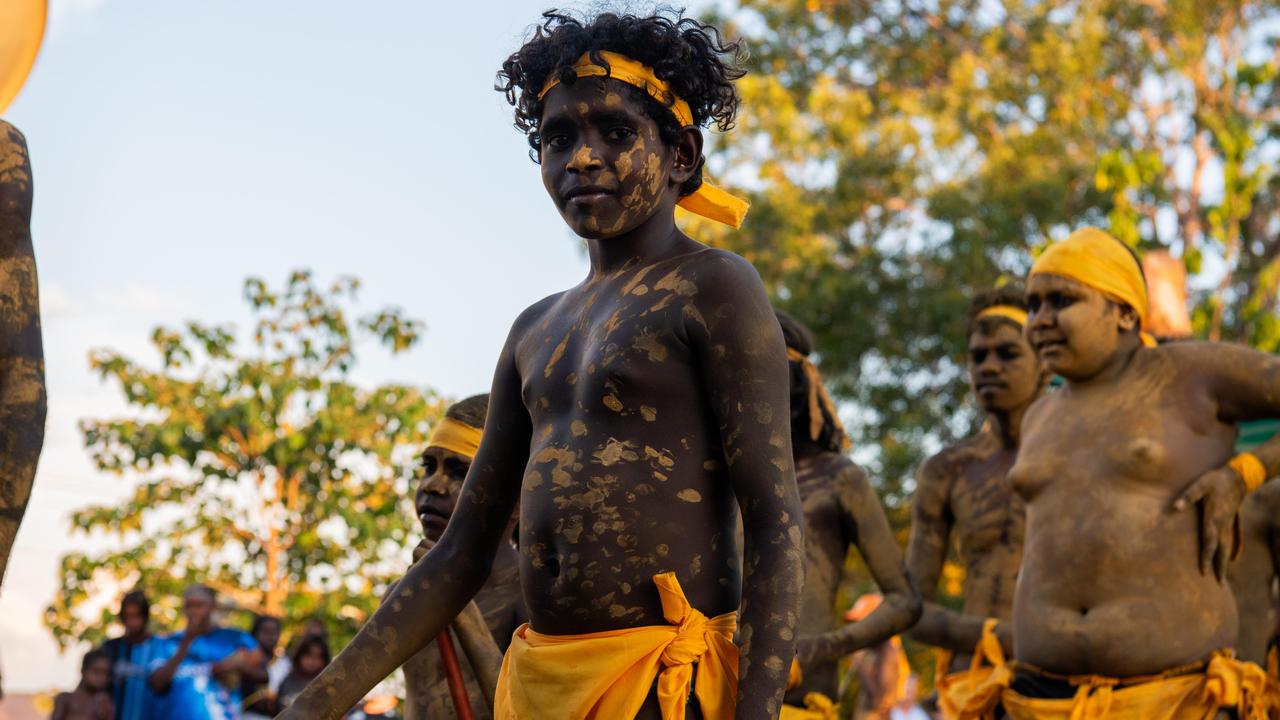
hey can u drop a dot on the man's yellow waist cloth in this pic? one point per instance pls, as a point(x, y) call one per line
point(607, 675)
point(1223, 682)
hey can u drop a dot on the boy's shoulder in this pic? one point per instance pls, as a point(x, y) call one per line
point(951, 460)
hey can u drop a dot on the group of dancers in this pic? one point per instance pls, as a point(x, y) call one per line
point(660, 469)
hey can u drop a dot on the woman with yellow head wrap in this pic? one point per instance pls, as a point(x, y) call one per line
point(1121, 609)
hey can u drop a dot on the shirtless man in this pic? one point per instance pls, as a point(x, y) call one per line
point(444, 467)
point(1253, 575)
point(22, 393)
point(633, 416)
point(963, 489)
point(840, 509)
point(1122, 605)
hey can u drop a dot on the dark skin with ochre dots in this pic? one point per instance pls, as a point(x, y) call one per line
point(963, 497)
point(1105, 464)
point(634, 416)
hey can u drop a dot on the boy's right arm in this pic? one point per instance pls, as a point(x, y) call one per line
point(437, 587)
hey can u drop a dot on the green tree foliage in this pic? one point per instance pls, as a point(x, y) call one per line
point(901, 154)
point(263, 470)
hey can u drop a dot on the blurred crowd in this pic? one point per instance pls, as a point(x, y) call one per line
point(204, 671)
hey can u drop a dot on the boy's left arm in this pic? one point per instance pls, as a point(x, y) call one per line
point(743, 359)
point(1245, 385)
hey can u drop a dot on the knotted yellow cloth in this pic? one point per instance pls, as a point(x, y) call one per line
point(818, 399)
point(708, 200)
point(455, 436)
point(607, 675)
point(1223, 682)
point(21, 32)
point(1094, 258)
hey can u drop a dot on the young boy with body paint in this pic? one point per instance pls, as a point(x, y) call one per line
point(633, 416)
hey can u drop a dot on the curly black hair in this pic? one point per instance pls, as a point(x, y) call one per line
point(691, 57)
point(1012, 294)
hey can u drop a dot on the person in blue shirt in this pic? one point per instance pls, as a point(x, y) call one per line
point(131, 656)
point(198, 675)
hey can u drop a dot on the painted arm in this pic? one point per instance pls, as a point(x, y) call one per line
point(22, 390)
point(926, 555)
point(437, 587)
point(1245, 385)
point(738, 343)
point(867, 527)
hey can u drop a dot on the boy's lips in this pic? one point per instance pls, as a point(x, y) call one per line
point(586, 193)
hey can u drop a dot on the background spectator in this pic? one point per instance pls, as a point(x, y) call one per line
point(91, 700)
point(309, 658)
point(131, 656)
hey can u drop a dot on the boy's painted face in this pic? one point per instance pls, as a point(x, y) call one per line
point(97, 675)
point(1003, 369)
point(603, 161)
point(1074, 329)
point(442, 474)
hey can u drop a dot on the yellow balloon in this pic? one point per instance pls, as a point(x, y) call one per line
point(21, 30)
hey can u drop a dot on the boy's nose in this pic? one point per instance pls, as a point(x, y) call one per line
point(584, 159)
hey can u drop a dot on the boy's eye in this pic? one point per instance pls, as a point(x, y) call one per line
point(555, 142)
point(429, 466)
point(620, 134)
point(978, 356)
point(1008, 353)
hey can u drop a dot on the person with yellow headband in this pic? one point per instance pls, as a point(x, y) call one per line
point(450, 449)
point(963, 499)
point(841, 510)
point(636, 416)
point(1122, 609)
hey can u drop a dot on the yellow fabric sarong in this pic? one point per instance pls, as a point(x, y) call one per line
point(816, 707)
point(1223, 682)
point(607, 675)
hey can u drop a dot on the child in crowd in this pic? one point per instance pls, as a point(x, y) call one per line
point(91, 700)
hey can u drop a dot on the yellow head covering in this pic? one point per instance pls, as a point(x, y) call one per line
point(455, 436)
point(708, 200)
point(1009, 312)
point(1094, 258)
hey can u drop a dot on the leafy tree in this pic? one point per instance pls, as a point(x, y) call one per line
point(901, 154)
point(264, 471)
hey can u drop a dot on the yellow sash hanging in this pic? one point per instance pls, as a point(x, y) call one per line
point(709, 201)
point(607, 675)
point(818, 399)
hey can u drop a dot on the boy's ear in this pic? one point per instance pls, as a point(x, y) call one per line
point(688, 155)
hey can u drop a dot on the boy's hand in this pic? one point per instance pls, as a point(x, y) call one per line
point(1220, 493)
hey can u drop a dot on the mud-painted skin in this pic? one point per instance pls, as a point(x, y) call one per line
point(22, 391)
point(426, 690)
point(842, 509)
point(632, 416)
point(1118, 578)
point(964, 497)
point(1254, 573)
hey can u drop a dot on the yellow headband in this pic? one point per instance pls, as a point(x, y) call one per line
point(1094, 258)
point(708, 200)
point(1009, 312)
point(818, 399)
point(455, 436)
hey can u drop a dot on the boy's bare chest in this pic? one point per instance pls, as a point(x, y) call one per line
point(604, 348)
point(987, 511)
point(1154, 438)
